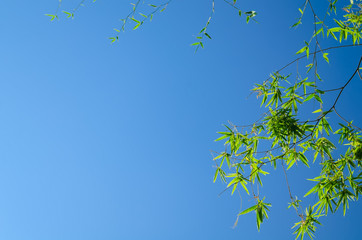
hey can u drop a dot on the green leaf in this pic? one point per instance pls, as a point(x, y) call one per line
point(195, 44)
point(302, 50)
point(113, 39)
point(216, 173)
point(325, 56)
point(69, 15)
point(249, 210)
point(52, 16)
point(135, 20)
point(309, 98)
point(143, 15)
point(317, 97)
point(303, 159)
point(137, 26)
point(207, 35)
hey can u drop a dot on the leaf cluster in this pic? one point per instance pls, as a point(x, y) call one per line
point(282, 137)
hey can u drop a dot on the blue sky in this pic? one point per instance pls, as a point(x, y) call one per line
point(112, 141)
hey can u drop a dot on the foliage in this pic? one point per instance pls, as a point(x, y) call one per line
point(289, 133)
point(135, 16)
point(285, 135)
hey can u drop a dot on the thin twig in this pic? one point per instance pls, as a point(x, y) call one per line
point(334, 108)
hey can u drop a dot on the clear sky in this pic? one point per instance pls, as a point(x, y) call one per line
point(102, 141)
